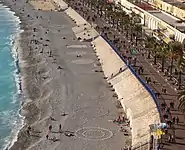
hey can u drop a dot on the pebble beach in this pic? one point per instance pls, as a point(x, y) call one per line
point(60, 85)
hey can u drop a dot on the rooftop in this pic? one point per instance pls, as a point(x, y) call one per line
point(178, 3)
point(168, 19)
point(144, 6)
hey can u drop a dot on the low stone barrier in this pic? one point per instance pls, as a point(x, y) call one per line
point(62, 4)
point(74, 15)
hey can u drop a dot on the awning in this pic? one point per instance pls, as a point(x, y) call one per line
point(161, 27)
point(167, 40)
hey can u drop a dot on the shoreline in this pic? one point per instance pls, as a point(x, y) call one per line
point(15, 47)
point(17, 78)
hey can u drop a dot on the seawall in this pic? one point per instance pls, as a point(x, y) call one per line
point(136, 98)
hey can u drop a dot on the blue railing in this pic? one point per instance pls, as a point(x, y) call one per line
point(136, 75)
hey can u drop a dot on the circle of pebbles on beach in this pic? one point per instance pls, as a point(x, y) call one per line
point(76, 53)
point(93, 133)
point(83, 61)
point(77, 46)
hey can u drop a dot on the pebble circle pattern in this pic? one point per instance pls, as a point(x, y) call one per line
point(94, 133)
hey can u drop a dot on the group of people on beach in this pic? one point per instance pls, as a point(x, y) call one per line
point(50, 127)
point(54, 139)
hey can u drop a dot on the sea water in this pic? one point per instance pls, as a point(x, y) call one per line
point(10, 120)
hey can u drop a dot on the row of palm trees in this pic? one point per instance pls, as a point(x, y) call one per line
point(172, 51)
point(130, 25)
point(119, 19)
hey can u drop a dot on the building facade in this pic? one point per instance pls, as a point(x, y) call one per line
point(172, 7)
point(160, 28)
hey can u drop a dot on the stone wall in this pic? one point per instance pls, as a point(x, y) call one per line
point(137, 102)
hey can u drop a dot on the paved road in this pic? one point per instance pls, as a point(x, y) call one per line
point(152, 71)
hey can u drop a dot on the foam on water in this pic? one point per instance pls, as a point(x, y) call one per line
point(10, 88)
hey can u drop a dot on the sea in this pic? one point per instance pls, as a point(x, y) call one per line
point(10, 91)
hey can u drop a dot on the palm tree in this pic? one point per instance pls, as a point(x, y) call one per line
point(98, 6)
point(123, 16)
point(102, 6)
point(134, 20)
point(150, 45)
point(180, 65)
point(108, 10)
point(155, 51)
point(92, 4)
point(181, 99)
point(120, 14)
point(163, 52)
point(175, 48)
point(138, 31)
point(127, 25)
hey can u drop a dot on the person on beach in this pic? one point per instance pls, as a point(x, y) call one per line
point(28, 132)
point(50, 127)
point(60, 127)
point(63, 114)
point(47, 136)
point(53, 119)
point(59, 67)
point(29, 128)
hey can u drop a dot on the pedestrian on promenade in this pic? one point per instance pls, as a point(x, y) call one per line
point(173, 119)
point(163, 89)
point(177, 120)
point(127, 62)
point(139, 71)
point(169, 138)
point(157, 94)
point(169, 123)
point(168, 110)
point(172, 104)
point(165, 116)
point(148, 80)
point(158, 147)
point(135, 61)
point(142, 70)
point(173, 138)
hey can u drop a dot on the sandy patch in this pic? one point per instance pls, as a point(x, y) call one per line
point(76, 53)
point(43, 5)
point(83, 61)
